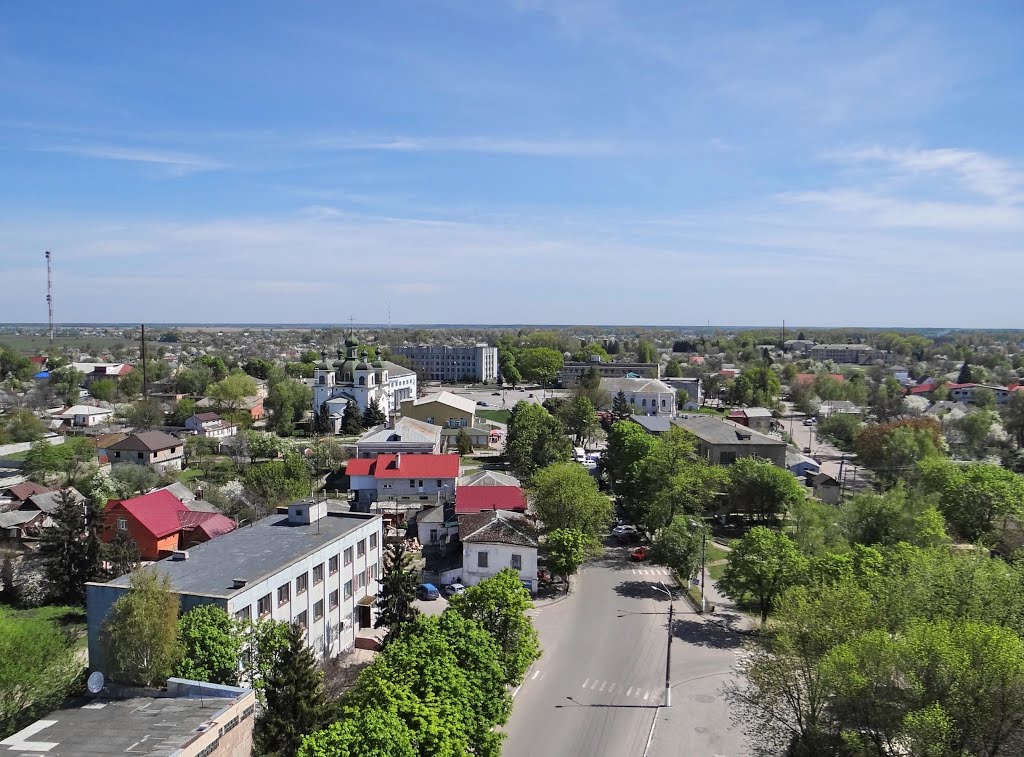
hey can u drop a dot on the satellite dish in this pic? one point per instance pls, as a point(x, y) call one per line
point(95, 683)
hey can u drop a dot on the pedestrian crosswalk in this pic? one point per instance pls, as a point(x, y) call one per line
point(613, 688)
point(662, 572)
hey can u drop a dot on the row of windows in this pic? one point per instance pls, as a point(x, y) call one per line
point(284, 591)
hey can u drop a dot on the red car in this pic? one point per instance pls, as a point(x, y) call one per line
point(640, 553)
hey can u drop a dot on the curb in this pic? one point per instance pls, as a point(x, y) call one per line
point(685, 588)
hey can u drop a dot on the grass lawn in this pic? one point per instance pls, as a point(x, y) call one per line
point(189, 474)
point(68, 617)
point(715, 571)
point(16, 455)
point(501, 416)
point(715, 552)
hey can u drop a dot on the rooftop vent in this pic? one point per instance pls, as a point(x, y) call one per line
point(238, 583)
point(179, 554)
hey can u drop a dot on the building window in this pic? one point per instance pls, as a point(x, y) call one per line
point(517, 562)
point(348, 556)
point(244, 613)
point(481, 559)
point(301, 583)
point(318, 574)
point(373, 571)
point(283, 592)
point(301, 619)
point(348, 590)
point(332, 565)
point(318, 610)
point(643, 403)
point(361, 548)
point(373, 541)
point(438, 483)
point(263, 606)
point(412, 482)
point(334, 599)
point(122, 524)
point(433, 535)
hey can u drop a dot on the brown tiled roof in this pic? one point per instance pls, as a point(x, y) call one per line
point(26, 489)
point(497, 527)
point(147, 441)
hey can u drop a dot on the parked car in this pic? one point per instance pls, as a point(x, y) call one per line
point(495, 394)
point(452, 589)
point(625, 533)
point(809, 421)
point(481, 403)
point(427, 591)
point(640, 553)
point(807, 450)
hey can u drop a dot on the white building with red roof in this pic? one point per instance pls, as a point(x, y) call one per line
point(429, 479)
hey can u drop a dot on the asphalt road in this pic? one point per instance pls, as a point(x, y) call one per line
point(599, 686)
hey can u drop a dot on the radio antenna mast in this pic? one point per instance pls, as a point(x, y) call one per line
point(49, 294)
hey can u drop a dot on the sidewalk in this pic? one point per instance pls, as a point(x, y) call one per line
point(727, 613)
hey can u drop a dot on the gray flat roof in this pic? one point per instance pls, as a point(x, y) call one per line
point(155, 726)
point(717, 431)
point(252, 553)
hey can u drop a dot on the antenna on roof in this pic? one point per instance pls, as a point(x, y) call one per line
point(49, 294)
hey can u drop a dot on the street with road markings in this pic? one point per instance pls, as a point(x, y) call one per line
point(599, 688)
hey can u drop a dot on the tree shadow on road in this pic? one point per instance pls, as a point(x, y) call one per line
point(708, 633)
point(640, 590)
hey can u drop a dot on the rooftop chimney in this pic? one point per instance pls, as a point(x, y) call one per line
point(398, 461)
point(238, 583)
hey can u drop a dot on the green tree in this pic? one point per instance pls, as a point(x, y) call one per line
point(975, 429)
point(507, 368)
point(620, 406)
point(679, 545)
point(296, 702)
point(194, 380)
point(395, 608)
point(141, 631)
point(762, 565)
point(741, 391)
point(70, 458)
point(646, 352)
point(763, 490)
point(230, 392)
point(893, 450)
point(373, 415)
point(765, 385)
point(674, 369)
point(535, 439)
point(589, 387)
point(144, 415)
point(539, 364)
point(351, 420)
point(21, 425)
point(629, 445)
point(261, 445)
point(197, 447)
point(965, 376)
point(211, 646)
point(840, 429)
point(984, 398)
point(565, 495)
point(263, 642)
point(464, 442)
point(66, 383)
point(130, 479)
point(257, 367)
point(38, 664)
point(499, 604)
point(322, 423)
point(579, 418)
point(103, 390)
point(279, 480)
point(889, 518)
point(184, 410)
point(288, 402)
point(1014, 417)
point(72, 547)
point(973, 497)
point(122, 555)
point(566, 550)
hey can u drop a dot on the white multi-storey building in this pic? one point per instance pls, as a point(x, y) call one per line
point(308, 566)
point(438, 362)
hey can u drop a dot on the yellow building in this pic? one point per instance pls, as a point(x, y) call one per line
point(444, 409)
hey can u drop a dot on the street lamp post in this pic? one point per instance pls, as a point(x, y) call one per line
point(703, 563)
point(668, 649)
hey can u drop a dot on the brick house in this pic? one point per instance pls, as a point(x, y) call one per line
point(160, 523)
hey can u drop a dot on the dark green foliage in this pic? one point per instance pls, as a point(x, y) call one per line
point(72, 547)
point(122, 555)
point(296, 703)
point(352, 420)
point(211, 645)
point(397, 590)
point(373, 415)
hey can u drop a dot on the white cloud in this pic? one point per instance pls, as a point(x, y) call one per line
point(976, 171)
point(552, 148)
point(174, 163)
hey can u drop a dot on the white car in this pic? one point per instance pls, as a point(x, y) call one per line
point(452, 589)
point(809, 422)
point(625, 531)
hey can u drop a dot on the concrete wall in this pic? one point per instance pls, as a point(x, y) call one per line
point(499, 557)
point(15, 448)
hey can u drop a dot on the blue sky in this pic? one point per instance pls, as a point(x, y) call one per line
point(529, 161)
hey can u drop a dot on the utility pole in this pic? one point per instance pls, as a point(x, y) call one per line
point(49, 295)
point(668, 650)
point(145, 382)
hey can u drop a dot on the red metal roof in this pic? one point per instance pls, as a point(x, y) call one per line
point(212, 524)
point(922, 388)
point(405, 466)
point(477, 499)
point(157, 511)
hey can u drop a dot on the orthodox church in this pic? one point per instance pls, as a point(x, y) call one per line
point(356, 379)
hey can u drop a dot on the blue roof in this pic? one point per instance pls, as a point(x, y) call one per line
point(42, 375)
